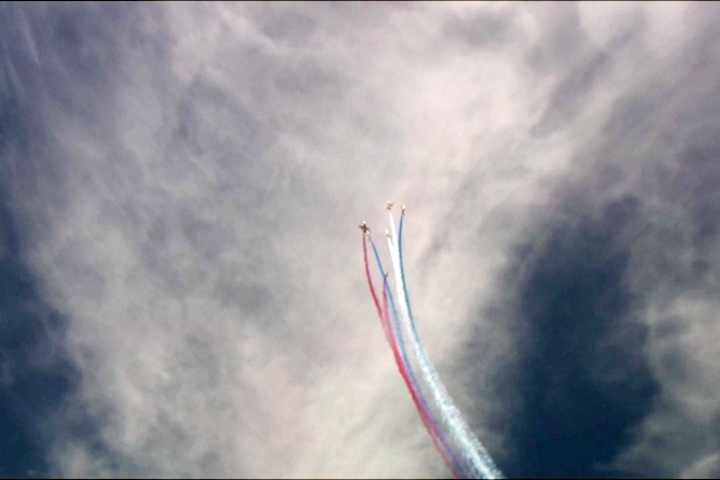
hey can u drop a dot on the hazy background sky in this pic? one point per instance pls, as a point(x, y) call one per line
point(181, 284)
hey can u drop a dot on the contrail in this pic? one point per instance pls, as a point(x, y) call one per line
point(478, 458)
point(403, 365)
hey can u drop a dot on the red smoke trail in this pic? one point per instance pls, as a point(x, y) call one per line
point(369, 279)
point(383, 313)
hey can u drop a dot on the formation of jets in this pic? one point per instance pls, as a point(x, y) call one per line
point(366, 230)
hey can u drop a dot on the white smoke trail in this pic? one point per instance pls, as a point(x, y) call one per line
point(477, 457)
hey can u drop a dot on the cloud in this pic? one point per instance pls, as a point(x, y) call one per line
point(184, 184)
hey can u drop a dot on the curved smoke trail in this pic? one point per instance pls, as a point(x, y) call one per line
point(441, 445)
point(476, 455)
point(403, 364)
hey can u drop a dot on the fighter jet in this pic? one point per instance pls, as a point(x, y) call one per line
point(364, 227)
point(389, 205)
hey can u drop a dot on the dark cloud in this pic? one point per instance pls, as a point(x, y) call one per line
point(36, 375)
point(635, 232)
point(580, 374)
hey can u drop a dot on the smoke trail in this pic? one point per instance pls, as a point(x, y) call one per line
point(411, 382)
point(369, 278)
point(440, 443)
point(476, 455)
point(402, 363)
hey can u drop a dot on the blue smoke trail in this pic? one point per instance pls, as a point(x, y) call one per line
point(459, 467)
point(476, 455)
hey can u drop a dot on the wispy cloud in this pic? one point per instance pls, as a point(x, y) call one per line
point(185, 181)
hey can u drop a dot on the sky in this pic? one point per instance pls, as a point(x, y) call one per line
point(181, 284)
